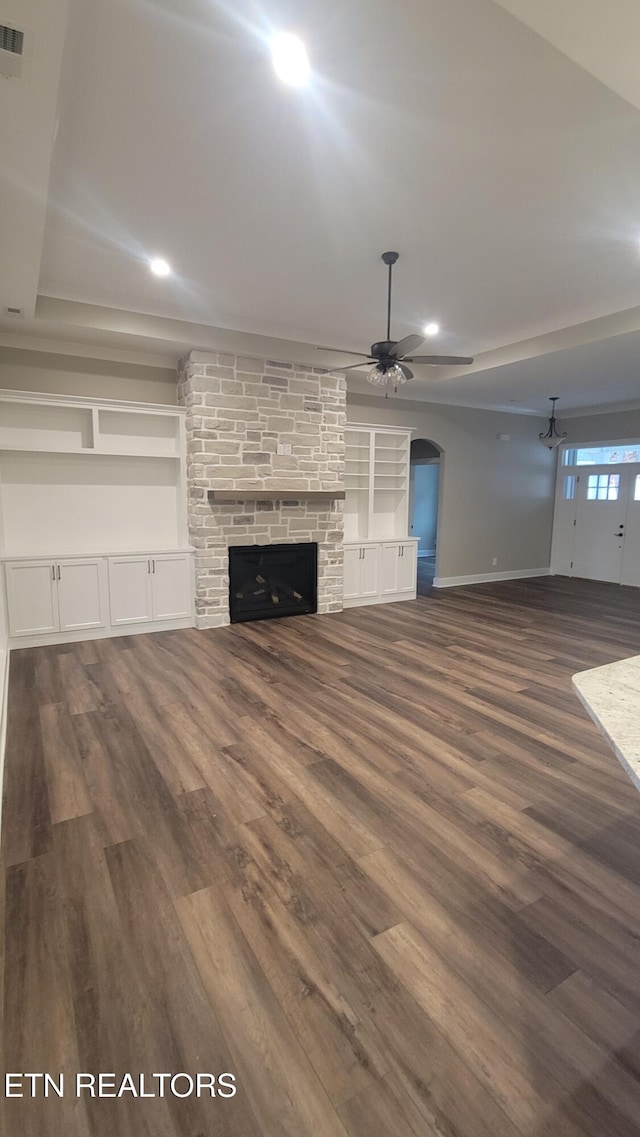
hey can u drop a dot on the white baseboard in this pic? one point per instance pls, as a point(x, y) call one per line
point(487, 577)
point(427, 553)
point(388, 598)
point(101, 633)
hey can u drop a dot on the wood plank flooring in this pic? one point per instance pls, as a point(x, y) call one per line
point(380, 866)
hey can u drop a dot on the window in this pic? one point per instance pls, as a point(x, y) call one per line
point(569, 487)
point(602, 455)
point(603, 487)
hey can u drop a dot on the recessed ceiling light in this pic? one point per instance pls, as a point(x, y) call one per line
point(290, 60)
point(431, 329)
point(160, 267)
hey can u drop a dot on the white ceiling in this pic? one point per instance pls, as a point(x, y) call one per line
point(485, 141)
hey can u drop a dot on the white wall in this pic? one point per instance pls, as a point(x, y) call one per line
point(4, 676)
point(424, 524)
point(496, 498)
point(595, 428)
point(92, 378)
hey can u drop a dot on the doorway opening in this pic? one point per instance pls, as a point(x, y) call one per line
point(424, 501)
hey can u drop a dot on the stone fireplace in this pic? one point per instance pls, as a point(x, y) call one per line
point(265, 445)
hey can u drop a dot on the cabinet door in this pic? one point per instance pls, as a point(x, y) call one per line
point(408, 567)
point(352, 562)
point(390, 569)
point(31, 597)
point(130, 597)
point(82, 600)
point(171, 587)
point(369, 571)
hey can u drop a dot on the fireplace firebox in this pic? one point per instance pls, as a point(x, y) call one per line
point(272, 580)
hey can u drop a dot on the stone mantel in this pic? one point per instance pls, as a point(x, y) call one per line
point(285, 493)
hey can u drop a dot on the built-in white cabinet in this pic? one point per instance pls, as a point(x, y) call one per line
point(93, 517)
point(361, 572)
point(171, 586)
point(31, 598)
point(379, 572)
point(67, 595)
point(130, 590)
point(399, 568)
point(71, 598)
point(142, 589)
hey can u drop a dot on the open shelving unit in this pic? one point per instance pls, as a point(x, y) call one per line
point(376, 483)
point(79, 476)
point(65, 426)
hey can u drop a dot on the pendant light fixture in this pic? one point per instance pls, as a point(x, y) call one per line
point(552, 438)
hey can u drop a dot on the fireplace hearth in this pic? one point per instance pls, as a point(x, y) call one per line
point(266, 581)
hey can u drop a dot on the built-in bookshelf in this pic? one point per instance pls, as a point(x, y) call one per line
point(376, 483)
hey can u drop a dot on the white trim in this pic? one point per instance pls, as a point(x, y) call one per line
point(100, 633)
point(487, 577)
point(388, 598)
point(46, 399)
point(380, 429)
point(72, 555)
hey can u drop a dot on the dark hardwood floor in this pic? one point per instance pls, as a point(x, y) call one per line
point(380, 866)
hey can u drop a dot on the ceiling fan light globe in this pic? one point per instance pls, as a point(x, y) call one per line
point(395, 375)
point(377, 377)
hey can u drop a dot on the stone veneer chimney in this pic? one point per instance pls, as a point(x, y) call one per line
point(238, 411)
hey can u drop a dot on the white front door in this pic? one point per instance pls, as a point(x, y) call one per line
point(601, 514)
point(631, 559)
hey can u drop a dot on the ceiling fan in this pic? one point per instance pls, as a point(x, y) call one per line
point(390, 356)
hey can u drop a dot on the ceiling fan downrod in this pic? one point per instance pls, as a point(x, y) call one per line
point(389, 259)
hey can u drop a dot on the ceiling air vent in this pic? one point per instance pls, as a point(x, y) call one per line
point(16, 312)
point(11, 51)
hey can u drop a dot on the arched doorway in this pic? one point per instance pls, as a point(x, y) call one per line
point(424, 499)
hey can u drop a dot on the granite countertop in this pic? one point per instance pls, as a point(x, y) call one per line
point(611, 694)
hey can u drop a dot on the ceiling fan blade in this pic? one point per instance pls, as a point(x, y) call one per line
point(440, 360)
point(351, 367)
point(341, 351)
point(406, 371)
point(409, 343)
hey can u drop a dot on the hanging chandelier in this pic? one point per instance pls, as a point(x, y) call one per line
point(552, 438)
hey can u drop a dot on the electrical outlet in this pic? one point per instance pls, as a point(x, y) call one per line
point(284, 448)
point(495, 561)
